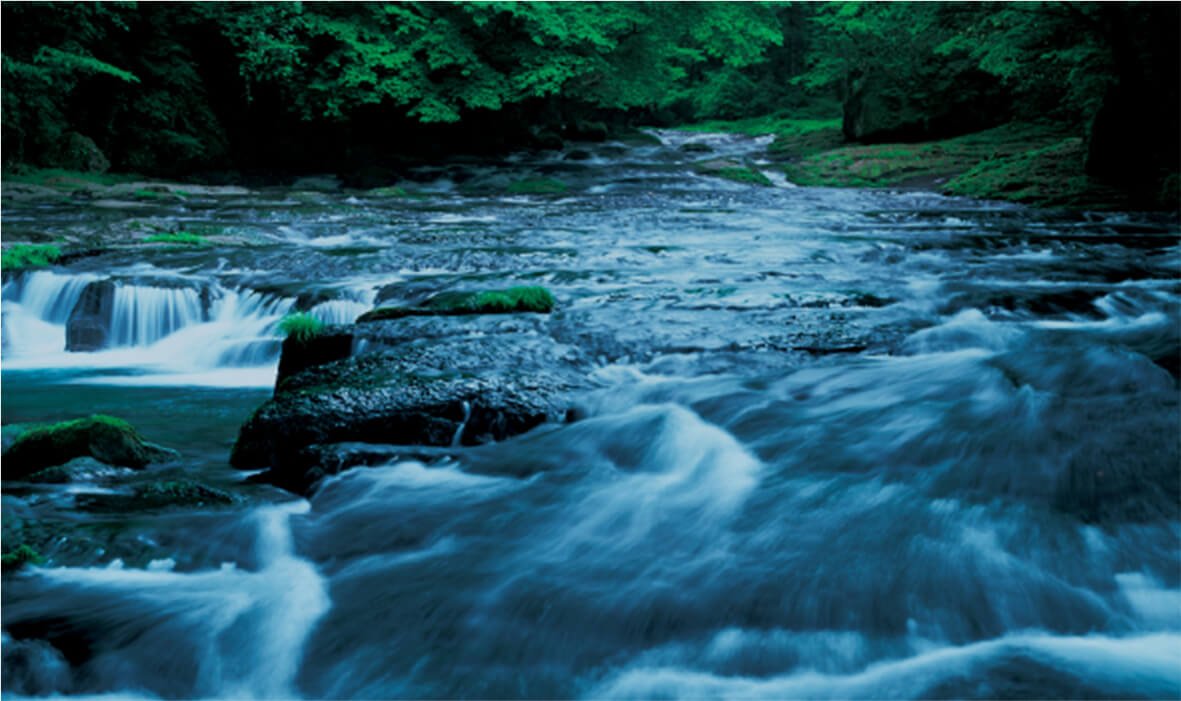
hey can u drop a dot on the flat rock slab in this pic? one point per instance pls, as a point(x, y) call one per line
point(438, 392)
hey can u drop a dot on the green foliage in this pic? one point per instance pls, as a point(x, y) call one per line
point(180, 237)
point(537, 186)
point(301, 326)
point(19, 557)
point(29, 256)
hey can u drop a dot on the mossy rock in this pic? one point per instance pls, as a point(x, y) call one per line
point(532, 298)
point(697, 147)
point(104, 438)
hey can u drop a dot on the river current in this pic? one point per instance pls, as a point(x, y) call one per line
point(843, 444)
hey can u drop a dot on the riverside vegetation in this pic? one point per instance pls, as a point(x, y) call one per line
point(368, 89)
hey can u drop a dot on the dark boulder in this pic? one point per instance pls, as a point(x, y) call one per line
point(104, 438)
point(586, 130)
point(326, 347)
point(548, 141)
point(89, 325)
point(450, 390)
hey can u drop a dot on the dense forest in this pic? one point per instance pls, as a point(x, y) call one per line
point(189, 88)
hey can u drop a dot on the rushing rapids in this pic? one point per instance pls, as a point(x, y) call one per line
point(836, 444)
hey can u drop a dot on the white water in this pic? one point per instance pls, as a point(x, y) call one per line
point(158, 335)
point(243, 630)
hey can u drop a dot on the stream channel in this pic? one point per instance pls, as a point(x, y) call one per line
point(839, 444)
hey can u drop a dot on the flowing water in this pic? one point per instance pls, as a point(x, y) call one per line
point(844, 444)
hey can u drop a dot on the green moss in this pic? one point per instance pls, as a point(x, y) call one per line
point(515, 299)
point(893, 164)
point(19, 557)
point(62, 429)
point(532, 298)
point(29, 256)
point(301, 326)
point(1053, 175)
point(537, 186)
point(179, 237)
point(105, 438)
point(151, 195)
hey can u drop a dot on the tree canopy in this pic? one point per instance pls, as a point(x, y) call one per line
point(184, 86)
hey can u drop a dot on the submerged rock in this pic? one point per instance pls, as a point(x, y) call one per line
point(450, 390)
point(88, 327)
point(104, 438)
point(158, 495)
point(79, 469)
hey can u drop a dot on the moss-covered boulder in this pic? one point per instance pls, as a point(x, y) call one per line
point(533, 298)
point(104, 438)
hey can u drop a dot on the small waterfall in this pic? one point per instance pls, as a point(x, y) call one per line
point(143, 315)
point(36, 306)
point(240, 331)
point(193, 333)
point(339, 311)
point(46, 294)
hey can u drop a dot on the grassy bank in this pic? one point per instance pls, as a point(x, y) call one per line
point(1040, 164)
point(795, 136)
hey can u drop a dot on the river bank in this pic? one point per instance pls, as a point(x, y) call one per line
point(1039, 164)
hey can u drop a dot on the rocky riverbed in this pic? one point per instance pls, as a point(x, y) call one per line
point(759, 440)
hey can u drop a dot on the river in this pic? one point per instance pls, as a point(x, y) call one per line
point(843, 444)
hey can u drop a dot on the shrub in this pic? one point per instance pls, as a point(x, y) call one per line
point(29, 256)
point(301, 326)
point(21, 556)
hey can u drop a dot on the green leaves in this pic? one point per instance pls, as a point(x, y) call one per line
point(69, 61)
point(438, 60)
